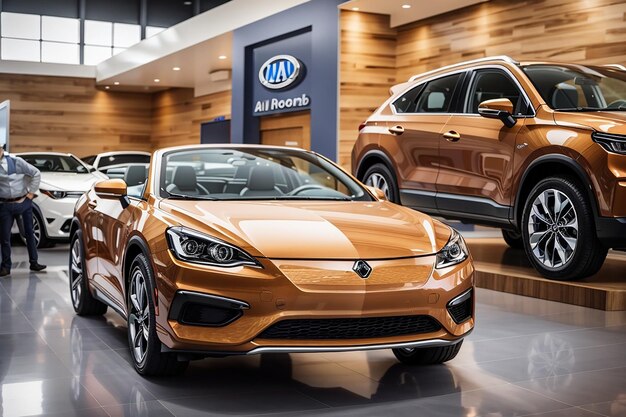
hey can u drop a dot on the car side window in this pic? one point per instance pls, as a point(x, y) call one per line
point(436, 97)
point(492, 84)
point(408, 101)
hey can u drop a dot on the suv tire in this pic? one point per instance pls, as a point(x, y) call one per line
point(379, 176)
point(427, 356)
point(513, 239)
point(83, 302)
point(559, 232)
point(143, 342)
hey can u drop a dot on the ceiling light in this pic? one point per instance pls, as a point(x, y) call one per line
point(406, 6)
point(187, 3)
point(106, 87)
point(176, 69)
point(116, 83)
point(356, 9)
point(222, 57)
point(156, 80)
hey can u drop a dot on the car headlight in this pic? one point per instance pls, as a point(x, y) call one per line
point(453, 253)
point(191, 246)
point(55, 195)
point(610, 142)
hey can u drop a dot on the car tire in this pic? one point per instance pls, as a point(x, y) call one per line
point(144, 344)
point(380, 176)
point(427, 356)
point(83, 302)
point(513, 239)
point(40, 233)
point(559, 232)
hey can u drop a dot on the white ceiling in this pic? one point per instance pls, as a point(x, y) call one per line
point(420, 9)
point(195, 45)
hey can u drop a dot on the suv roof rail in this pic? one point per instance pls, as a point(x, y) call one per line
point(616, 66)
point(504, 58)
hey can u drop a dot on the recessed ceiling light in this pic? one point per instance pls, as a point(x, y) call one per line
point(222, 57)
point(176, 69)
point(156, 80)
point(187, 3)
point(406, 6)
point(356, 9)
point(106, 87)
point(116, 83)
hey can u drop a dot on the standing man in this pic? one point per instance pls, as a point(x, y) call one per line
point(18, 183)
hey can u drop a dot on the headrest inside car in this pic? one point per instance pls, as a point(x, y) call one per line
point(184, 178)
point(261, 178)
point(564, 97)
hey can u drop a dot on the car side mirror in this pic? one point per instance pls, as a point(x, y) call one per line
point(378, 193)
point(498, 108)
point(115, 188)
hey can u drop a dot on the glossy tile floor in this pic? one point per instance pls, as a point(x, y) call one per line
point(526, 357)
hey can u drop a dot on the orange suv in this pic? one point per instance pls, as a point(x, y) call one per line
point(535, 148)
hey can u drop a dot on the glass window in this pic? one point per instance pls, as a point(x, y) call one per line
point(98, 33)
point(437, 95)
point(408, 101)
point(60, 29)
point(20, 50)
point(123, 159)
point(55, 163)
point(492, 84)
point(60, 53)
point(19, 25)
point(153, 30)
point(125, 35)
point(96, 54)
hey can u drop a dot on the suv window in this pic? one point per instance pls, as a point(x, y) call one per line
point(432, 97)
point(492, 84)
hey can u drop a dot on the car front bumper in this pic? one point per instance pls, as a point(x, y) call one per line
point(321, 291)
point(56, 215)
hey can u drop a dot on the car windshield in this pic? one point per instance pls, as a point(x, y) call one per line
point(580, 88)
point(254, 174)
point(119, 159)
point(55, 163)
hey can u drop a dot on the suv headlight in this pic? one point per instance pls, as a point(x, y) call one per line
point(55, 195)
point(453, 253)
point(191, 246)
point(610, 142)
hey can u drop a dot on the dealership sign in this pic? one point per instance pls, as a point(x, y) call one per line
point(279, 75)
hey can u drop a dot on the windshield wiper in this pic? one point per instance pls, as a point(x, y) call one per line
point(177, 196)
point(297, 197)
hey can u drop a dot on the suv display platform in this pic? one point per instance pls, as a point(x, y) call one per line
point(535, 148)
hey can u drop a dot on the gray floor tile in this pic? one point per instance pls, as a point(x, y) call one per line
point(615, 408)
point(141, 409)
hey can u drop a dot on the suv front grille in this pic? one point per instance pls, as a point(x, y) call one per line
point(350, 328)
point(460, 308)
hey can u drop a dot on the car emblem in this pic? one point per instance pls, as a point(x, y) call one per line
point(362, 269)
point(280, 72)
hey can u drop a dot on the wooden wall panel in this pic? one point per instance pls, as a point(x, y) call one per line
point(592, 32)
point(177, 115)
point(368, 67)
point(70, 115)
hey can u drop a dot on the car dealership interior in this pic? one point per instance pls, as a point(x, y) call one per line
point(313, 207)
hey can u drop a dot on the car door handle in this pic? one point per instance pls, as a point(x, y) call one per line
point(396, 130)
point(452, 136)
point(93, 204)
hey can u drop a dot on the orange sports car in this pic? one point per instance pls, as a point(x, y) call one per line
point(238, 250)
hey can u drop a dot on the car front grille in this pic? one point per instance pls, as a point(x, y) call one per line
point(350, 328)
point(460, 309)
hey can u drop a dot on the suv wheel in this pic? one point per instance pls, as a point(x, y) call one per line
point(559, 232)
point(83, 302)
point(427, 356)
point(379, 176)
point(144, 344)
point(513, 239)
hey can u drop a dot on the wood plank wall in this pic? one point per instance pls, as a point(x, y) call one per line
point(70, 115)
point(589, 31)
point(177, 115)
point(368, 69)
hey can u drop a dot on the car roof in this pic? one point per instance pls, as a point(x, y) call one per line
point(232, 146)
point(44, 153)
point(112, 153)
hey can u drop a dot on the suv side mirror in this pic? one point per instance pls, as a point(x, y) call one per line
point(113, 189)
point(498, 108)
point(378, 193)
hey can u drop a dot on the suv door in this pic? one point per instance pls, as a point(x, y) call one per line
point(420, 116)
point(475, 174)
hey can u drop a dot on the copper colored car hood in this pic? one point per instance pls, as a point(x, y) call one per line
point(603, 121)
point(314, 229)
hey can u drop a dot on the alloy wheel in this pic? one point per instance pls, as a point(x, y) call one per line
point(139, 319)
point(76, 273)
point(377, 180)
point(553, 228)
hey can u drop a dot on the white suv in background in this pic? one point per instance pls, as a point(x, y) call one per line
point(103, 162)
point(64, 178)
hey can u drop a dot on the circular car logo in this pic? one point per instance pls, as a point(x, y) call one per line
point(279, 72)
